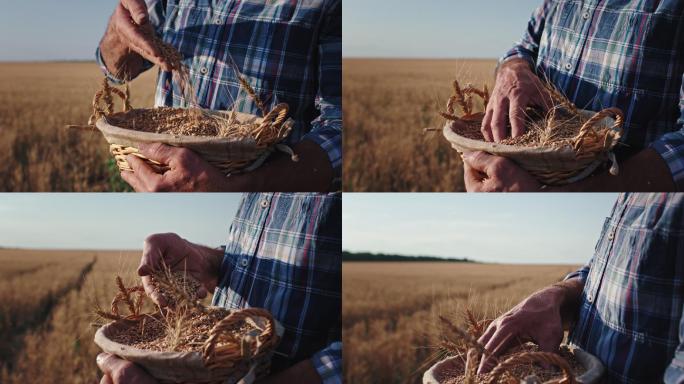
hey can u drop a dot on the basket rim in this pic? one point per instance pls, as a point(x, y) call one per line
point(586, 359)
point(506, 149)
point(110, 346)
point(111, 131)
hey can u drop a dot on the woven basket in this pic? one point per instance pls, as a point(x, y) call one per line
point(550, 165)
point(450, 367)
point(227, 154)
point(222, 360)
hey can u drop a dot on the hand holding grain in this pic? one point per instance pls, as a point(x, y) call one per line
point(171, 251)
point(128, 40)
point(516, 88)
point(540, 318)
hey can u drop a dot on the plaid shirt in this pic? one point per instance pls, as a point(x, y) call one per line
point(291, 52)
point(284, 254)
point(617, 53)
point(631, 310)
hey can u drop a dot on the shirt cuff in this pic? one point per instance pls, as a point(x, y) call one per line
point(671, 148)
point(328, 135)
point(110, 76)
point(328, 363)
point(518, 52)
point(581, 273)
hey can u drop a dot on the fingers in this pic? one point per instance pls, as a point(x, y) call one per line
point(122, 371)
point(487, 124)
point(517, 116)
point(143, 178)
point(162, 153)
point(137, 9)
point(152, 291)
point(500, 342)
point(106, 380)
point(133, 35)
point(479, 161)
point(472, 178)
point(499, 122)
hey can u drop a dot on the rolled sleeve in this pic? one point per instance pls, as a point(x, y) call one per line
point(326, 129)
point(328, 363)
point(528, 47)
point(671, 146)
point(581, 273)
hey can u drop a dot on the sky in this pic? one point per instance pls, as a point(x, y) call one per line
point(52, 29)
point(433, 28)
point(118, 221)
point(502, 228)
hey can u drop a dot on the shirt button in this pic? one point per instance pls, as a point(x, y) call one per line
point(244, 262)
point(585, 15)
point(218, 21)
point(204, 70)
point(264, 203)
point(568, 66)
point(590, 299)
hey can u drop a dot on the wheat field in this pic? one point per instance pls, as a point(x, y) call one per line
point(47, 301)
point(37, 152)
point(390, 310)
point(387, 104)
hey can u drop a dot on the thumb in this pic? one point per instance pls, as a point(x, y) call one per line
point(478, 160)
point(159, 152)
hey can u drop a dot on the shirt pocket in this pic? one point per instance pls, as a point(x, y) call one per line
point(641, 292)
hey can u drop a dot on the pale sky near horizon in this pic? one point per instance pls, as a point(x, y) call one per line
point(71, 29)
point(518, 228)
point(112, 221)
point(433, 28)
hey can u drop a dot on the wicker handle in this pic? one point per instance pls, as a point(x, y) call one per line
point(222, 349)
point(534, 357)
point(103, 103)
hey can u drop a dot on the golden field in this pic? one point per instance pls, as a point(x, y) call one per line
point(390, 310)
point(47, 301)
point(387, 104)
point(37, 152)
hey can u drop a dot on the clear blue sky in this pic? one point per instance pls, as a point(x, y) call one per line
point(112, 221)
point(52, 29)
point(433, 28)
point(528, 228)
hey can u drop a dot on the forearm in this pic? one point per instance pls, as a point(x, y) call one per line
point(119, 59)
point(569, 294)
point(311, 173)
point(644, 172)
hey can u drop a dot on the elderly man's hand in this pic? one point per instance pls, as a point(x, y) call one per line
point(487, 173)
point(541, 318)
point(118, 371)
point(168, 250)
point(128, 40)
point(187, 172)
point(516, 88)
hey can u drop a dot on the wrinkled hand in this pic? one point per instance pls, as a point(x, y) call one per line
point(119, 371)
point(129, 30)
point(187, 172)
point(178, 254)
point(516, 88)
point(537, 318)
point(487, 173)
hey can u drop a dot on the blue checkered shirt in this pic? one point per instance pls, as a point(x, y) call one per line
point(631, 309)
point(617, 53)
point(284, 254)
point(291, 51)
